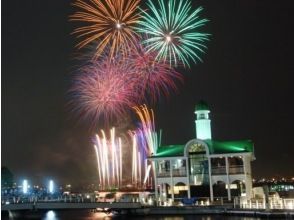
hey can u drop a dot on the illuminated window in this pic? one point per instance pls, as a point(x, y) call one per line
point(196, 148)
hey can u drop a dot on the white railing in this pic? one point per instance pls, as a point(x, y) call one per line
point(218, 170)
point(232, 170)
point(236, 169)
point(163, 174)
point(179, 172)
point(274, 203)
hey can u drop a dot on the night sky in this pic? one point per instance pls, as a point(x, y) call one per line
point(246, 78)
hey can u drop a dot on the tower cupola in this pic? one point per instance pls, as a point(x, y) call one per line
point(203, 129)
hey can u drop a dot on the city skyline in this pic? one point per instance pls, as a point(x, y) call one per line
point(245, 78)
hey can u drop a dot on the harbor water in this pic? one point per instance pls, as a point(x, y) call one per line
point(89, 215)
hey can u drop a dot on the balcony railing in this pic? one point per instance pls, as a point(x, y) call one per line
point(180, 172)
point(232, 170)
point(163, 174)
point(236, 169)
point(218, 170)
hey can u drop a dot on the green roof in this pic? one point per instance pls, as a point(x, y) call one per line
point(201, 106)
point(215, 147)
point(222, 147)
point(170, 151)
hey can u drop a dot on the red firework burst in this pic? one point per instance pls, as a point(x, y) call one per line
point(103, 90)
point(155, 78)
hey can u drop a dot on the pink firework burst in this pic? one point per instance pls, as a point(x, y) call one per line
point(103, 89)
point(155, 78)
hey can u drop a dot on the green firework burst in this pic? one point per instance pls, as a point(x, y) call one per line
point(172, 28)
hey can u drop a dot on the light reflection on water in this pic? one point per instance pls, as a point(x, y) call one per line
point(50, 215)
point(89, 215)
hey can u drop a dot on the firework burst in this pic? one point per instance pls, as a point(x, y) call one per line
point(155, 78)
point(103, 90)
point(108, 22)
point(173, 29)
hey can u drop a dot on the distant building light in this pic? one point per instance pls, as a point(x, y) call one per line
point(150, 201)
point(51, 186)
point(25, 186)
point(232, 186)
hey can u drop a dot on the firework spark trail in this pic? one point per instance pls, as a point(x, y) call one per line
point(148, 128)
point(147, 136)
point(108, 153)
point(98, 164)
point(138, 157)
point(120, 161)
point(105, 157)
point(173, 30)
point(109, 22)
point(139, 167)
point(134, 158)
point(113, 153)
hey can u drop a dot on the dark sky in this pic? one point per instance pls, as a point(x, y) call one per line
point(246, 77)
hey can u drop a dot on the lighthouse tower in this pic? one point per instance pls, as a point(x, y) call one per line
point(203, 129)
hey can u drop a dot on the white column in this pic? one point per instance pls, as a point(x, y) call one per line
point(165, 191)
point(155, 179)
point(210, 179)
point(188, 178)
point(228, 179)
point(172, 181)
point(160, 194)
point(189, 191)
point(247, 175)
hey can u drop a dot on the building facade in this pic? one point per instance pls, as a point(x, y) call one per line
point(203, 166)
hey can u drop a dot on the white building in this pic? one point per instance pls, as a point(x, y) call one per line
point(203, 166)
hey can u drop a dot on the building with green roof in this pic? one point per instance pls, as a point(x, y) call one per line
point(203, 166)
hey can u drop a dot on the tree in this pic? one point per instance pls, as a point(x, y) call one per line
point(6, 177)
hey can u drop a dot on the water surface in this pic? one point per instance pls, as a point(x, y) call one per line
point(89, 215)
